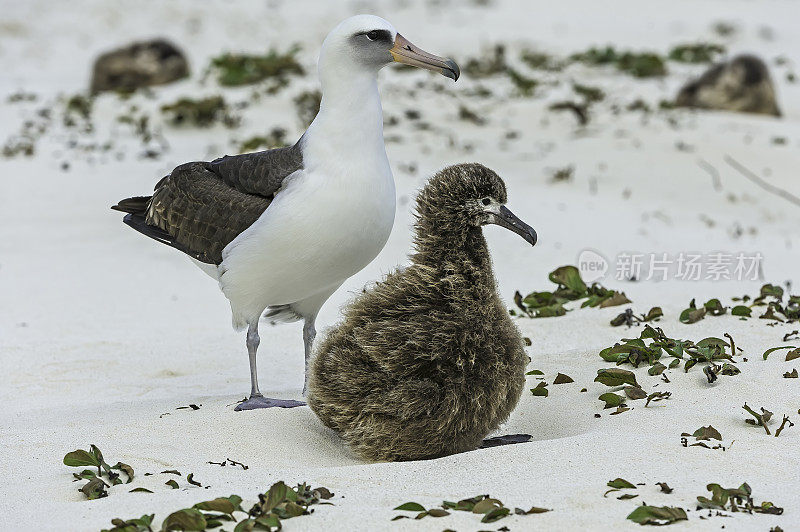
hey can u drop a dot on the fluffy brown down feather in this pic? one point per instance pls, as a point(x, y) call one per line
point(427, 362)
point(742, 85)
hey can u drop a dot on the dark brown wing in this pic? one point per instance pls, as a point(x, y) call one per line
point(201, 207)
point(261, 172)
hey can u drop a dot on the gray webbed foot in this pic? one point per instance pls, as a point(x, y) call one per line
point(259, 401)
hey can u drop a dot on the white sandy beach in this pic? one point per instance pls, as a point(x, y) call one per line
point(102, 331)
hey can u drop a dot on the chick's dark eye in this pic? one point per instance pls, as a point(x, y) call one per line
point(486, 201)
point(373, 35)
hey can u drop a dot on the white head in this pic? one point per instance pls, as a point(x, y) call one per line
point(364, 44)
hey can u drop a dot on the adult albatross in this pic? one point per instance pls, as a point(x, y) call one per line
point(282, 229)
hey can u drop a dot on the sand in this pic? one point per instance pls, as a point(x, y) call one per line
point(103, 334)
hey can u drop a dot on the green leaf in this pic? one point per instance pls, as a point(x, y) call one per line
point(142, 490)
point(657, 515)
point(533, 510)
point(706, 433)
point(438, 512)
point(770, 290)
point(616, 377)
point(321, 493)
point(292, 509)
point(86, 474)
point(634, 392)
point(277, 494)
point(620, 483)
point(612, 399)
point(486, 505)
point(465, 505)
point(551, 311)
point(713, 342)
point(537, 300)
point(535, 372)
point(616, 299)
point(81, 458)
point(791, 355)
point(569, 277)
point(714, 307)
point(269, 522)
point(188, 519)
point(741, 310)
point(190, 479)
point(729, 370)
point(692, 315)
point(496, 514)
point(696, 53)
point(562, 379)
point(95, 489)
point(171, 483)
point(619, 320)
point(128, 470)
point(768, 508)
point(246, 525)
point(773, 349)
point(141, 524)
point(96, 453)
point(540, 390)
point(657, 369)
point(654, 313)
point(411, 507)
point(225, 505)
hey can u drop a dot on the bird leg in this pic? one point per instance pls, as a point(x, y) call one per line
point(256, 400)
point(309, 333)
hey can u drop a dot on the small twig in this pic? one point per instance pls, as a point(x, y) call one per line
point(713, 172)
point(749, 174)
point(758, 417)
point(785, 420)
point(235, 463)
point(733, 345)
point(581, 111)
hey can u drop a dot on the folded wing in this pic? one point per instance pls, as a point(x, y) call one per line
point(200, 207)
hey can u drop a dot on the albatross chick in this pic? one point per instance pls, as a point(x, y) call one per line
point(428, 362)
point(282, 229)
point(741, 85)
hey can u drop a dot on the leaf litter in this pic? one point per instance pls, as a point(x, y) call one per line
point(569, 287)
point(95, 488)
point(491, 509)
point(279, 503)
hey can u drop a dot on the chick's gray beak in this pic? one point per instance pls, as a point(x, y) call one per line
point(505, 218)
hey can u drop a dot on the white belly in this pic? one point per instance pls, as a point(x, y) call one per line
point(318, 232)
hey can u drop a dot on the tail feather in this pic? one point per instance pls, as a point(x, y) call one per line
point(135, 205)
point(281, 314)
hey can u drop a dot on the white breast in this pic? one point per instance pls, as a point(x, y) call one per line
point(319, 231)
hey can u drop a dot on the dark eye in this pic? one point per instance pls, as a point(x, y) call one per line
point(486, 201)
point(373, 35)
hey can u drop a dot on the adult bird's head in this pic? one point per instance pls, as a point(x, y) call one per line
point(366, 43)
point(468, 195)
